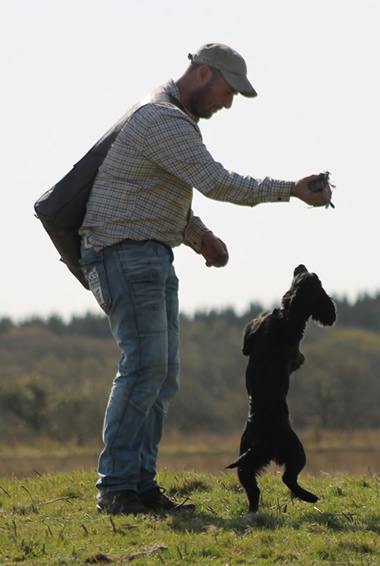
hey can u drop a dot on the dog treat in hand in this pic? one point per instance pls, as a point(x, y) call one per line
point(321, 184)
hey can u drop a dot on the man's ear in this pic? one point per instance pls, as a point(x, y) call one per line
point(204, 74)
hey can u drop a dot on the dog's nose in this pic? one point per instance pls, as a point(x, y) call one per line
point(300, 269)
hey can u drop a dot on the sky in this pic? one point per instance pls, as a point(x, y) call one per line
point(71, 68)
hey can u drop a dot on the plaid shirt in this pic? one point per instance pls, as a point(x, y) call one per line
point(144, 188)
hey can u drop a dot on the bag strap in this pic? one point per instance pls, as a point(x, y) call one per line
point(100, 149)
point(167, 97)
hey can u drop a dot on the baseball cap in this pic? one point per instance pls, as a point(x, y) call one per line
point(229, 63)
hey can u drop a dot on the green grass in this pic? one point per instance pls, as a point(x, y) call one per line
point(50, 520)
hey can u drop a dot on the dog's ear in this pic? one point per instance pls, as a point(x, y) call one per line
point(252, 335)
point(306, 298)
point(324, 310)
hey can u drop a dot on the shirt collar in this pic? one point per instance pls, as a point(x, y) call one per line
point(172, 89)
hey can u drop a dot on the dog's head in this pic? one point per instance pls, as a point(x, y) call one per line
point(306, 298)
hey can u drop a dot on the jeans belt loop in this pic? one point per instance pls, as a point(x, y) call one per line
point(86, 243)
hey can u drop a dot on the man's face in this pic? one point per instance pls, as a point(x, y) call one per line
point(212, 96)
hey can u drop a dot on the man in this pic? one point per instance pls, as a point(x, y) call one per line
point(139, 209)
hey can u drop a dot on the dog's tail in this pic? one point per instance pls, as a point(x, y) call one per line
point(241, 460)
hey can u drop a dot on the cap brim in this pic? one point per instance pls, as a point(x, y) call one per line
point(239, 83)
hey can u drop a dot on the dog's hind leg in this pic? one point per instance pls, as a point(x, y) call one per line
point(249, 466)
point(253, 458)
point(247, 478)
point(294, 461)
point(247, 471)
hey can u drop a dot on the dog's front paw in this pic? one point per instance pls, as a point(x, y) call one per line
point(304, 495)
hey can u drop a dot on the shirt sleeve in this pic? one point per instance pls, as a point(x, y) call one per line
point(174, 142)
point(194, 232)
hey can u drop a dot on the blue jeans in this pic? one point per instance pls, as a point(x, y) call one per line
point(136, 285)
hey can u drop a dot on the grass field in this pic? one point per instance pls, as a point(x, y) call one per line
point(49, 520)
point(355, 453)
point(47, 500)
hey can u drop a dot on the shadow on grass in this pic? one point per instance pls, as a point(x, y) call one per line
point(315, 520)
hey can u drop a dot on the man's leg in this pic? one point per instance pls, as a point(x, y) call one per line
point(169, 388)
point(135, 278)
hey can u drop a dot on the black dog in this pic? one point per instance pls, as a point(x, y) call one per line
point(272, 343)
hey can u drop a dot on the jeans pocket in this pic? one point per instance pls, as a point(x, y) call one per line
point(93, 269)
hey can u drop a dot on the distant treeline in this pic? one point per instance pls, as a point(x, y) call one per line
point(55, 376)
point(363, 313)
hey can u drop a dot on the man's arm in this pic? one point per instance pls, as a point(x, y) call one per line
point(204, 242)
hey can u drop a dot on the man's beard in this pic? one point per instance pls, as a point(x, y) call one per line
point(200, 102)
